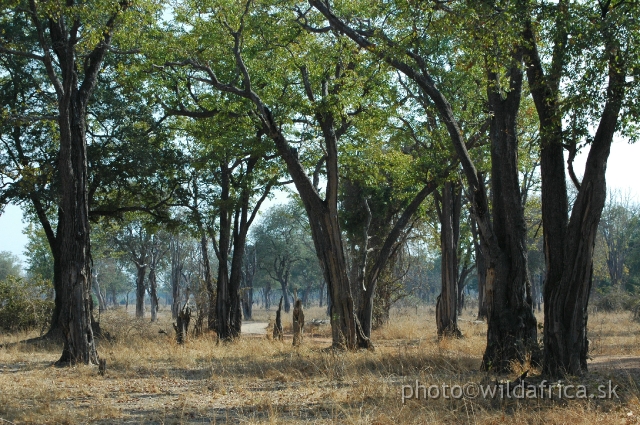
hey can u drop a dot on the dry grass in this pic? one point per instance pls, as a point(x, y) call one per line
point(150, 379)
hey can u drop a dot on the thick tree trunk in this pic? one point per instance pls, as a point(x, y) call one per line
point(325, 230)
point(73, 233)
point(512, 327)
point(73, 283)
point(447, 305)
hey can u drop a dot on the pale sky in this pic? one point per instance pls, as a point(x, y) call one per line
point(623, 173)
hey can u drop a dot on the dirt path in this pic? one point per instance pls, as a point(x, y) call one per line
point(254, 328)
point(629, 364)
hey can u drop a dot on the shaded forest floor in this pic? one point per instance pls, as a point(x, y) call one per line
point(152, 380)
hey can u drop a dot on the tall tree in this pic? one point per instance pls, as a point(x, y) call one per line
point(512, 328)
point(71, 43)
point(72, 53)
point(595, 47)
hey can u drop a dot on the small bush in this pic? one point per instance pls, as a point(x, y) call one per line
point(24, 304)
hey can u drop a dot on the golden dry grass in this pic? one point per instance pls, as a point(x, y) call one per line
point(150, 379)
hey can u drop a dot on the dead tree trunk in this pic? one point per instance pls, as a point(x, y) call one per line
point(298, 323)
point(182, 324)
point(277, 326)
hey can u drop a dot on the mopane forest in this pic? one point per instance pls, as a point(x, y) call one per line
point(282, 211)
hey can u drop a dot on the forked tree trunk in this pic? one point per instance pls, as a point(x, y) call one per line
point(507, 281)
point(323, 214)
point(224, 327)
point(325, 230)
point(449, 205)
point(569, 244)
point(228, 303)
point(512, 327)
point(380, 262)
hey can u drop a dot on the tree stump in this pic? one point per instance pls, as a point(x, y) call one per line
point(277, 326)
point(298, 323)
point(182, 325)
point(102, 366)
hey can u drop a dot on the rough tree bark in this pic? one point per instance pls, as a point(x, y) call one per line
point(569, 243)
point(512, 331)
point(208, 281)
point(72, 239)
